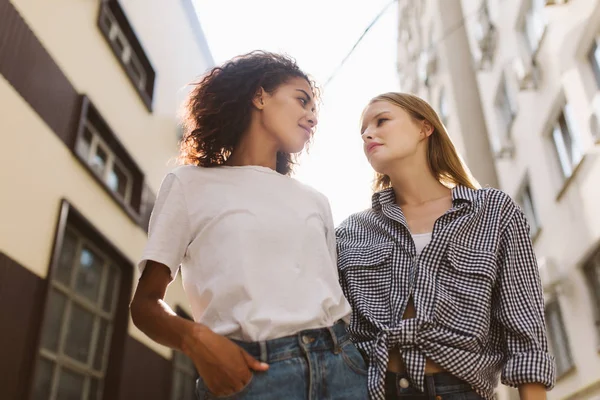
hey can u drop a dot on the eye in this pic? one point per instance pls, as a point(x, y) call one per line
point(381, 121)
point(303, 101)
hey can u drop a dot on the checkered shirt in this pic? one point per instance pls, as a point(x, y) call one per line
point(476, 290)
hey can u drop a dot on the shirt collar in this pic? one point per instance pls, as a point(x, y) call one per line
point(459, 194)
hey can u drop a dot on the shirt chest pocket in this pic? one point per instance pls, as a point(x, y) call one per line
point(366, 275)
point(464, 287)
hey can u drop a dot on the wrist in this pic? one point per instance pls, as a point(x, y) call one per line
point(192, 334)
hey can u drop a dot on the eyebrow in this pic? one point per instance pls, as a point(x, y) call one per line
point(305, 93)
point(362, 130)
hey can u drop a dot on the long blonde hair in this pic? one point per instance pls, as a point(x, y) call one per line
point(444, 161)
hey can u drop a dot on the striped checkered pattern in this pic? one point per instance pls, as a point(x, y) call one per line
point(475, 287)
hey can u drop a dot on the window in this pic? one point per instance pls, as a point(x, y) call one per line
point(592, 272)
point(565, 139)
point(79, 319)
point(122, 39)
point(506, 109)
point(557, 338)
point(184, 373)
point(534, 25)
point(443, 107)
point(594, 57)
point(486, 38)
point(98, 148)
point(525, 200)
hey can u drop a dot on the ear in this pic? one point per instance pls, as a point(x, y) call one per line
point(426, 129)
point(259, 98)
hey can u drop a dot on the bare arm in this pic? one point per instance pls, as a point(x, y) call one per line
point(224, 367)
point(532, 391)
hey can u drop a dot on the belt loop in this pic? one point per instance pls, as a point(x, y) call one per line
point(336, 346)
point(430, 387)
point(263, 351)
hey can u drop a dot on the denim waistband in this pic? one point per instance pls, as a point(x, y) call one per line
point(443, 382)
point(330, 338)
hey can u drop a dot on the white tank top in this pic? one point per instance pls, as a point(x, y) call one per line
point(421, 240)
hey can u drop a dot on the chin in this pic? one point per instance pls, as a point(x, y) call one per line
point(293, 148)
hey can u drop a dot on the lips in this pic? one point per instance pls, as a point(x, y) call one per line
point(306, 130)
point(372, 146)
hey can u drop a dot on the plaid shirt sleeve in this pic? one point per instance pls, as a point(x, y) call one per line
point(520, 308)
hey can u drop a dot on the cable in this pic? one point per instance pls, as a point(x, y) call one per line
point(432, 45)
point(358, 41)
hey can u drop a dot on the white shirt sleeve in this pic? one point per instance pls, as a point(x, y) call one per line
point(169, 230)
point(330, 230)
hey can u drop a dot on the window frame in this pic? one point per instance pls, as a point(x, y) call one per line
point(591, 270)
point(568, 158)
point(133, 203)
point(527, 204)
point(506, 120)
point(594, 59)
point(69, 220)
point(115, 27)
point(179, 367)
point(569, 364)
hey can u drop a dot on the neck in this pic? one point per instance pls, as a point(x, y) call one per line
point(255, 148)
point(414, 183)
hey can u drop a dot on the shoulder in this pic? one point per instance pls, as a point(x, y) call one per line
point(499, 203)
point(358, 222)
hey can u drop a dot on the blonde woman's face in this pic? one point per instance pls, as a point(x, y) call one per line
point(390, 134)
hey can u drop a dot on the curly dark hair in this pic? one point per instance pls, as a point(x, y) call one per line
point(218, 108)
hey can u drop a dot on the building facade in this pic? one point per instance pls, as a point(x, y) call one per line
point(431, 65)
point(89, 93)
point(537, 68)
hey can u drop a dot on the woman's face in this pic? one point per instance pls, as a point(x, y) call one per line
point(289, 114)
point(390, 134)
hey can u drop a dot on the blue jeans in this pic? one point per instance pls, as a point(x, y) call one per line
point(440, 386)
point(316, 364)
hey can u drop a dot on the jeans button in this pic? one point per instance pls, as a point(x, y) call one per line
point(306, 339)
point(404, 383)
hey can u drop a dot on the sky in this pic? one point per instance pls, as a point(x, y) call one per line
point(319, 34)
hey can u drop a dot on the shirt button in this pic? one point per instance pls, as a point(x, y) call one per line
point(404, 383)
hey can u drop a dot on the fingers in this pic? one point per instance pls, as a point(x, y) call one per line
point(253, 363)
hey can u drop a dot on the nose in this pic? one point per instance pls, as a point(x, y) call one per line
point(366, 136)
point(312, 119)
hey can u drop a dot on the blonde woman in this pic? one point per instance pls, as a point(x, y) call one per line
point(440, 274)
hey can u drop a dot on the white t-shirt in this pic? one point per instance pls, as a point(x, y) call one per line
point(421, 241)
point(256, 248)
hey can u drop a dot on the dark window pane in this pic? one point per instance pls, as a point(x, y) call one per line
point(176, 388)
point(84, 143)
point(89, 274)
point(136, 71)
point(111, 289)
point(189, 387)
point(98, 162)
point(43, 379)
point(55, 310)
point(102, 340)
point(79, 337)
point(120, 43)
point(117, 180)
point(95, 387)
point(66, 259)
point(70, 385)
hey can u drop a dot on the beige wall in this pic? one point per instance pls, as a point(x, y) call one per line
point(570, 223)
point(36, 168)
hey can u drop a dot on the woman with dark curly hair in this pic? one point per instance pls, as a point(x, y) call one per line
point(256, 247)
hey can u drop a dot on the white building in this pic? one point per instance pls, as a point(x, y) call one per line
point(89, 93)
point(537, 68)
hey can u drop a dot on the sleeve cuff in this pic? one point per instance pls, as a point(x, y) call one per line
point(534, 367)
point(159, 259)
